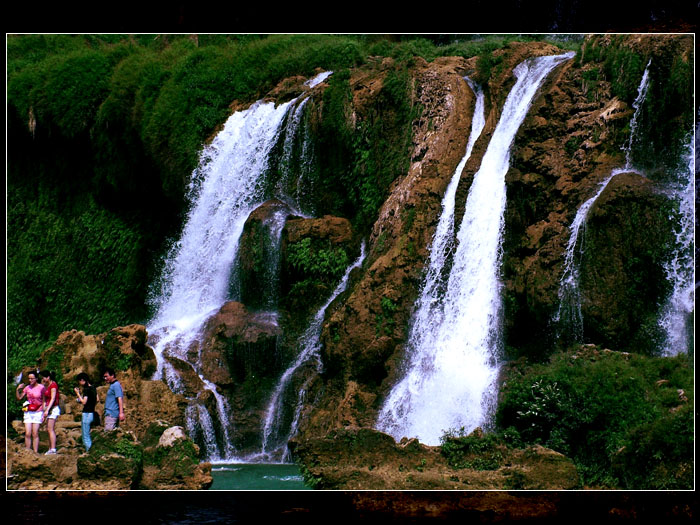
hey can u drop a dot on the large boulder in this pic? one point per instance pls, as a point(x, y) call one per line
point(237, 343)
point(257, 269)
point(173, 463)
point(623, 281)
point(237, 352)
point(364, 459)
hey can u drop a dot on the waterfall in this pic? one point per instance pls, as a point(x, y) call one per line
point(227, 185)
point(287, 156)
point(430, 302)
point(453, 347)
point(569, 319)
point(274, 443)
point(675, 320)
point(637, 104)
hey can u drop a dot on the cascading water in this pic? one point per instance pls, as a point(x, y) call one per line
point(275, 439)
point(675, 320)
point(453, 347)
point(430, 302)
point(290, 134)
point(569, 319)
point(226, 186)
point(637, 104)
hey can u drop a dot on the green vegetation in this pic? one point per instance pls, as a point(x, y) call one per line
point(323, 261)
point(625, 419)
point(104, 132)
point(475, 452)
point(358, 161)
point(385, 320)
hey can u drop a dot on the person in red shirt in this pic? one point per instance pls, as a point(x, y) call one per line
point(33, 413)
point(51, 409)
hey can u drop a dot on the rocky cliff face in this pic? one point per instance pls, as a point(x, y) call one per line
point(571, 141)
point(363, 338)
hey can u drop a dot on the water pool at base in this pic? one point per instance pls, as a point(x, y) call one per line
point(257, 476)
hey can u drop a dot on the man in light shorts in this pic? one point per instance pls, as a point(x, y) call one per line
point(114, 403)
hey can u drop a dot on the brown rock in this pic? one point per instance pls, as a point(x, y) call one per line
point(363, 459)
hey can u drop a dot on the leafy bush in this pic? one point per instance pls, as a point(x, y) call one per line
point(603, 409)
point(325, 263)
point(314, 268)
point(474, 451)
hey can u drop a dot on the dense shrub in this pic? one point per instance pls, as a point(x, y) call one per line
point(625, 419)
point(314, 269)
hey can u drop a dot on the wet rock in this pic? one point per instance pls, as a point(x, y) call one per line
point(236, 343)
point(622, 275)
point(238, 352)
point(257, 268)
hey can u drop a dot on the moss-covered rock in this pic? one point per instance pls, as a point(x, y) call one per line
point(257, 269)
point(174, 462)
point(115, 454)
point(627, 239)
point(361, 458)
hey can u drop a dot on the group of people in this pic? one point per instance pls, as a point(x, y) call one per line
point(42, 406)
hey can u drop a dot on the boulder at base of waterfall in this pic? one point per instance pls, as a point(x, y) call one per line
point(238, 353)
point(173, 463)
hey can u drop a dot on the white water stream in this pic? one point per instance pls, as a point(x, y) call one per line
point(675, 320)
point(226, 187)
point(274, 443)
point(454, 344)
